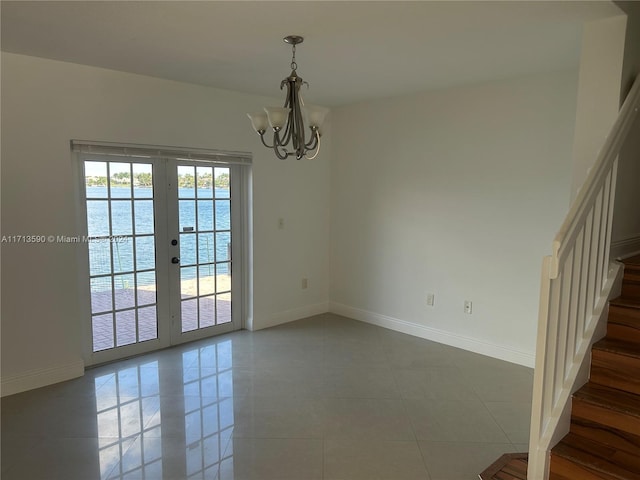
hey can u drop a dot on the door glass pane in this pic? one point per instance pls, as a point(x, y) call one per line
point(146, 282)
point(143, 216)
point(206, 280)
point(124, 291)
point(223, 308)
point(121, 217)
point(207, 311)
point(188, 281)
point(187, 215)
point(188, 249)
point(222, 182)
point(148, 323)
point(205, 182)
point(97, 213)
point(122, 254)
point(223, 215)
point(206, 248)
point(189, 315)
point(186, 182)
point(102, 298)
point(99, 257)
point(96, 179)
point(223, 277)
point(102, 326)
point(120, 180)
point(223, 246)
point(142, 180)
point(145, 253)
point(205, 214)
point(126, 327)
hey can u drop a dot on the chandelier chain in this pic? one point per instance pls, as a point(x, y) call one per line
point(294, 65)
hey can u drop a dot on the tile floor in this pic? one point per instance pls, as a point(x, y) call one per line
point(321, 398)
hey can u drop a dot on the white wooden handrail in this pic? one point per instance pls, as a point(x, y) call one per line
point(575, 285)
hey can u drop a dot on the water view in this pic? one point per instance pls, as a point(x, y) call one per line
point(204, 225)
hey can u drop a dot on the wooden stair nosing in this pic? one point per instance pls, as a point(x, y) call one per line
point(631, 303)
point(612, 399)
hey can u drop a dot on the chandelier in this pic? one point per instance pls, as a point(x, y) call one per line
point(288, 122)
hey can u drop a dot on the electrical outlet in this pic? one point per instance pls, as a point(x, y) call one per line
point(304, 283)
point(430, 299)
point(467, 307)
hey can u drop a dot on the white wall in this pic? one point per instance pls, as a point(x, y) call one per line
point(601, 61)
point(44, 105)
point(457, 192)
point(626, 220)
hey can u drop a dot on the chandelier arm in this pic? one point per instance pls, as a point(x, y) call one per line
point(281, 156)
point(263, 142)
point(278, 146)
point(315, 136)
point(317, 147)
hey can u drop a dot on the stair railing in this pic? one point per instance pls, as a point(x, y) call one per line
point(575, 285)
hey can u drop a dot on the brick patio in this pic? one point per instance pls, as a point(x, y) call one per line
point(125, 324)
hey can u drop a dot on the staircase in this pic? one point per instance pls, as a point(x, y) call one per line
point(604, 438)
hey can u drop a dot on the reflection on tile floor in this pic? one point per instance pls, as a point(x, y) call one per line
point(321, 398)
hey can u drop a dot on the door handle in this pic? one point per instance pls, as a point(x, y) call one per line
point(175, 260)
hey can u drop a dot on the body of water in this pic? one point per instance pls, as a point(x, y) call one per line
point(204, 226)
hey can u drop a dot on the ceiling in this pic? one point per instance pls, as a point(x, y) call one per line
point(353, 50)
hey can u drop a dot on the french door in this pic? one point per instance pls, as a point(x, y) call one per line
point(164, 241)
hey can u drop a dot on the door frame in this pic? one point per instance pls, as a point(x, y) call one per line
point(242, 245)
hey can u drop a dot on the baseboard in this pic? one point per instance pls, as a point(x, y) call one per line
point(454, 340)
point(29, 380)
point(291, 315)
point(625, 248)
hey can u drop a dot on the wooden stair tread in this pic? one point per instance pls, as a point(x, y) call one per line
point(615, 438)
point(620, 347)
point(635, 260)
point(610, 398)
point(626, 302)
point(598, 457)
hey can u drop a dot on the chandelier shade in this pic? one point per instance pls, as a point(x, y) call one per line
point(287, 123)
